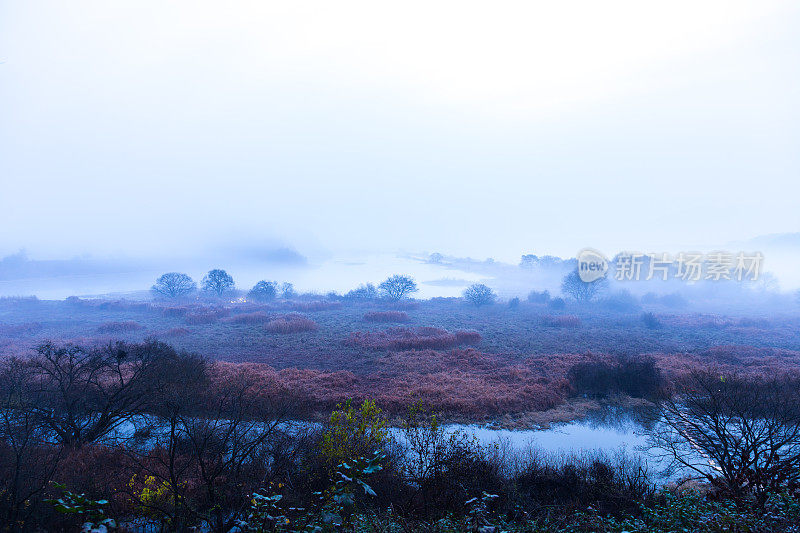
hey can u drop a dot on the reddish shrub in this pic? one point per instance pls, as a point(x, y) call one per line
point(176, 332)
point(411, 338)
point(119, 327)
point(206, 315)
point(174, 312)
point(317, 305)
point(259, 317)
point(386, 316)
point(26, 328)
point(468, 336)
point(291, 323)
point(561, 321)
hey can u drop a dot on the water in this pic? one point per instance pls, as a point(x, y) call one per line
point(337, 274)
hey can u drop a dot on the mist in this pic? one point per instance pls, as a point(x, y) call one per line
point(159, 132)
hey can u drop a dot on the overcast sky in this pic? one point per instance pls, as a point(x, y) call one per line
point(471, 128)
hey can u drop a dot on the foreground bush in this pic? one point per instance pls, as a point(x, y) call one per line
point(638, 377)
point(119, 327)
point(291, 323)
point(386, 316)
point(412, 338)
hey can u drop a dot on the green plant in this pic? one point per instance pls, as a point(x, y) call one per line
point(91, 511)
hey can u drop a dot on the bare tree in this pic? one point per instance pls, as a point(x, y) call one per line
point(217, 281)
point(479, 294)
point(83, 394)
point(740, 434)
point(398, 287)
point(209, 447)
point(582, 291)
point(28, 457)
point(174, 284)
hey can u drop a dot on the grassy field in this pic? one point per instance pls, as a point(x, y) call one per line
point(470, 363)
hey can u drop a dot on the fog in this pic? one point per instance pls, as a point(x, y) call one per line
point(194, 135)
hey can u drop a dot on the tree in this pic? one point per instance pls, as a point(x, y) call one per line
point(28, 455)
point(217, 281)
point(479, 294)
point(363, 292)
point(82, 395)
point(574, 286)
point(174, 284)
point(740, 434)
point(287, 291)
point(264, 291)
point(398, 287)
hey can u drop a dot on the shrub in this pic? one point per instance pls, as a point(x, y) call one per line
point(206, 315)
point(119, 327)
point(287, 291)
point(412, 338)
point(386, 316)
point(363, 292)
point(26, 328)
point(479, 294)
point(561, 321)
point(174, 311)
point(650, 321)
point(637, 377)
point(353, 431)
point(291, 323)
point(258, 317)
point(468, 336)
point(536, 297)
point(513, 303)
point(607, 484)
point(314, 306)
point(621, 302)
point(557, 304)
point(176, 332)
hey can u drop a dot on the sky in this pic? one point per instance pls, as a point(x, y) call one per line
point(480, 129)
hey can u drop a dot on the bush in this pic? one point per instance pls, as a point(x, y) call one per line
point(258, 317)
point(637, 377)
point(206, 315)
point(561, 321)
point(386, 316)
point(650, 321)
point(620, 302)
point(479, 294)
point(119, 327)
point(291, 323)
point(363, 292)
point(314, 306)
point(174, 312)
point(412, 338)
point(513, 303)
point(287, 291)
point(557, 304)
point(536, 297)
point(610, 485)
